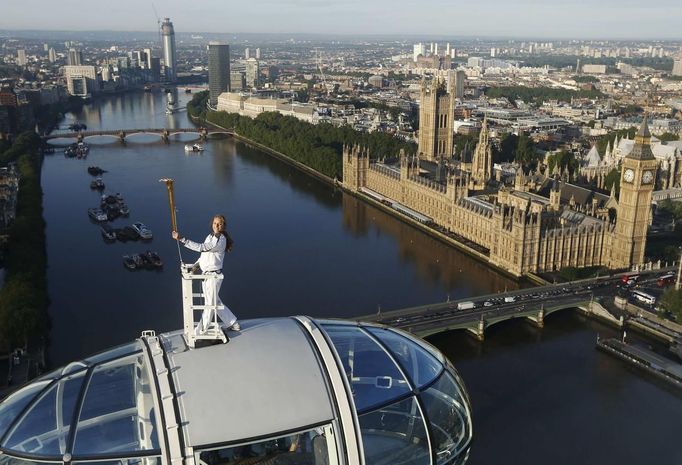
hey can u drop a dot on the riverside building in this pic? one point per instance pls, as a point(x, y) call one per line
point(541, 224)
point(169, 52)
point(218, 71)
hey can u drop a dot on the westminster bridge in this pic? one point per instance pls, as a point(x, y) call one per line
point(594, 297)
point(121, 134)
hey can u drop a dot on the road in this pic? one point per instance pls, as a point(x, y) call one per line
point(430, 317)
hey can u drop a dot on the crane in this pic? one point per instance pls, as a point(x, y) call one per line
point(158, 21)
point(324, 79)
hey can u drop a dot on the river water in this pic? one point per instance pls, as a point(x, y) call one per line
point(302, 247)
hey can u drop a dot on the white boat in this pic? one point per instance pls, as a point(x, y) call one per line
point(142, 230)
point(170, 104)
point(194, 148)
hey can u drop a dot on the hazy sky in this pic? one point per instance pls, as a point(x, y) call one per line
point(520, 18)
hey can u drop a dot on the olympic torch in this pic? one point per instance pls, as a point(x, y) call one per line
point(171, 202)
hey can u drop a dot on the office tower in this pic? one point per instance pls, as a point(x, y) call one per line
point(137, 59)
point(155, 68)
point(252, 73)
point(460, 77)
point(75, 57)
point(418, 49)
point(237, 80)
point(46, 47)
point(258, 54)
point(218, 71)
point(677, 68)
point(435, 49)
point(169, 58)
point(447, 49)
point(493, 52)
point(52, 55)
point(21, 57)
point(453, 53)
point(81, 80)
point(247, 53)
point(148, 57)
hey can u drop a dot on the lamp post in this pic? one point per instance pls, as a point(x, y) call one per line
point(679, 272)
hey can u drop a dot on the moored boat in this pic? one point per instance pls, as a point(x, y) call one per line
point(194, 148)
point(133, 261)
point(97, 184)
point(141, 229)
point(95, 170)
point(97, 214)
point(108, 233)
point(152, 259)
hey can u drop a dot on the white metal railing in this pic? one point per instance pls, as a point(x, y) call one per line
point(213, 332)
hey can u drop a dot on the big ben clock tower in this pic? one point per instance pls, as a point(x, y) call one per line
point(637, 181)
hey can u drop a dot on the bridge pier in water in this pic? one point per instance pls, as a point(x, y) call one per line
point(203, 134)
point(165, 136)
point(479, 330)
point(79, 138)
point(539, 319)
point(122, 137)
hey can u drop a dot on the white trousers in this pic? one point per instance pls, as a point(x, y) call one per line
point(210, 286)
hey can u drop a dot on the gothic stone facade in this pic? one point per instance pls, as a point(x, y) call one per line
point(521, 232)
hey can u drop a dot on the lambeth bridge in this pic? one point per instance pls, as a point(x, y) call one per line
point(594, 297)
point(121, 134)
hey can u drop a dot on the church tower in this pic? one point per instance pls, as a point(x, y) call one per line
point(638, 177)
point(436, 120)
point(482, 167)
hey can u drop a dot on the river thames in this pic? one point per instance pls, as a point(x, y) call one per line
point(302, 247)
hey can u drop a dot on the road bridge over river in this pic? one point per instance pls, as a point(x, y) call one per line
point(121, 134)
point(534, 304)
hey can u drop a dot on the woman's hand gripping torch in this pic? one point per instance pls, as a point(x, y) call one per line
point(171, 203)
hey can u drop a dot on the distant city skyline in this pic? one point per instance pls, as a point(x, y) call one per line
point(558, 19)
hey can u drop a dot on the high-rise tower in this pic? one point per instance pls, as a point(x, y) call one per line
point(218, 71)
point(482, 164)
point(638, 176)
point(75, 57)
point(436, 118)
point(169, 58)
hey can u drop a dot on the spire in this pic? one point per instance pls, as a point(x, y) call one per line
point(644, 128)
point(642, 148)
point(613, 190)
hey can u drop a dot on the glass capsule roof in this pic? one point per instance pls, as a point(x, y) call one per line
point(100, 406)
point(408, 399)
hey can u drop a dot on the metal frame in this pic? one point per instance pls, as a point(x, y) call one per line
point(214, 332)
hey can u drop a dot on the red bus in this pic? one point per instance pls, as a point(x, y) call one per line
point(666, 280)
point(630, 278)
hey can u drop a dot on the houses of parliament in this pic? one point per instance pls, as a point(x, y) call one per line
point(539, 223)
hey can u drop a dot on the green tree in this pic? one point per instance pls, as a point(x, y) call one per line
point(525, 153)
point(507, 149)
point(671, 301)
point(613, 178)
point(675, 208)
point(563, 159)
point(668, 136)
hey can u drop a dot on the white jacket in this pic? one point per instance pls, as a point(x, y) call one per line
point(212, 252)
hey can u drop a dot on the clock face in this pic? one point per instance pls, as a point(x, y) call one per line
point(648, 177)
point(629, 176)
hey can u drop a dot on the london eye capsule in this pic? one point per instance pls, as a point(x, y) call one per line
point(282, 391)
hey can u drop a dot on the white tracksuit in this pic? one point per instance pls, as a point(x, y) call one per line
point(211, 264)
